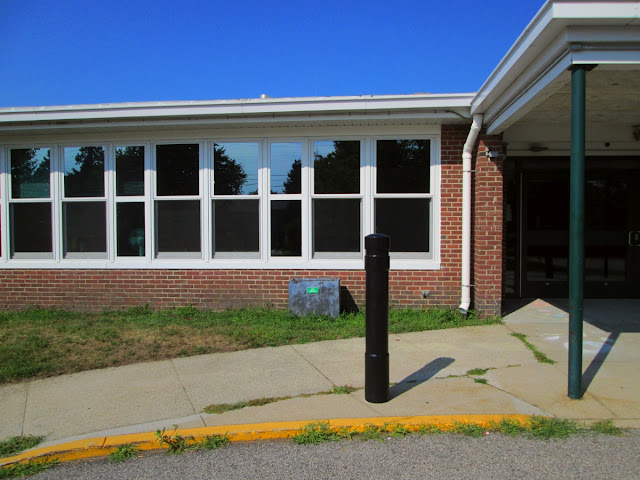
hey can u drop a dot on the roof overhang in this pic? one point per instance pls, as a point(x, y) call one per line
point(562, 34)
point(435, 108)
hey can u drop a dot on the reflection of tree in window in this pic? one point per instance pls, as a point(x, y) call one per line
point(29, 175)
point(177, 169)
point(339, 170)
point(229, 175)
point(130, 170)
point(86, 177)
point(403, 166)
point(293, 183)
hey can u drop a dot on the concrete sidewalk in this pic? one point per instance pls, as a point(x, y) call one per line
point(429, 369)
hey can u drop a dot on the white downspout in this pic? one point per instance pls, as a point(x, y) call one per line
point(467, 151)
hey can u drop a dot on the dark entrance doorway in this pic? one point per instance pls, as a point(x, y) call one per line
point(612, 229)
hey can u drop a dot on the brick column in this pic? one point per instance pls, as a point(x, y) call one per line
point(487, 242)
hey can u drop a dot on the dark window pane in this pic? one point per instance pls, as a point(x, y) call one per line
point(30, 173)
point(286, 228)
point(336, 167)
point(336, 225)
point(31, 227)
point(286, 168)
point(406, 221)
point(130, 223)
point(403, 166)
point(178, 226)
point(85, 227)
point(177, 169)
point(129, 171)
point(236, 225)
point(84, 172)
point(235, 169)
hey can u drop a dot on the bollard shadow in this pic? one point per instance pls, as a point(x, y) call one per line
point(420, 376)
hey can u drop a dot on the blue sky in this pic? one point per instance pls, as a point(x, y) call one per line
point(73, 52)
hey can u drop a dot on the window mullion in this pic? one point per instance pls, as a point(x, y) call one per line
point(56, 198)
point(4, 203)
point(110, 192)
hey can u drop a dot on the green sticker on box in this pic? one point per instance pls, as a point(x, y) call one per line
point(312, 290)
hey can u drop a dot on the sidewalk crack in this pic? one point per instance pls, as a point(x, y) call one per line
point(312, 365)
point(184, 389)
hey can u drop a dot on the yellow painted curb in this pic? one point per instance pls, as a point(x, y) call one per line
point(102, 446)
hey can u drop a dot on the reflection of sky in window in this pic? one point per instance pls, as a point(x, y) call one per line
point(283, 155)
point(70, 154)
point(323, 148)
point(246, 155)
point(40, 155)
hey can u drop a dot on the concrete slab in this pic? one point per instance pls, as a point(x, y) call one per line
point(545, 387)
point(340, 361)
point(452, 396)
point(13, 398)
point(248, 374)
point(100, 399)
point(617, 387)
point(312, 408)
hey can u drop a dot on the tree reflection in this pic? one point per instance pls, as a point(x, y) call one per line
point(86, 177)
point(403, 166)
point(339, 170)
point(229, 175)
point(29, 175)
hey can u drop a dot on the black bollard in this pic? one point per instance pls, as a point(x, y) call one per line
point(376, 358)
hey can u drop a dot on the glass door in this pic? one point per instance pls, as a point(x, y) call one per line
point(612, 244)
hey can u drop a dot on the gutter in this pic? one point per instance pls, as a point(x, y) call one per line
point(467, 150)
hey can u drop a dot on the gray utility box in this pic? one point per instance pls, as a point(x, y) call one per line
point(319, 296)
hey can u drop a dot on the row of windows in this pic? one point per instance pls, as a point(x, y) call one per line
point(251, 199)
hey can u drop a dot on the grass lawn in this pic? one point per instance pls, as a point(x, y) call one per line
point(42, 343)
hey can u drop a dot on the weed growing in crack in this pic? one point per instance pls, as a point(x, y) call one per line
point(175, 443)
point(313, 433)
point(124, 452)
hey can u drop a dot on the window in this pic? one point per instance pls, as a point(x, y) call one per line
point(221, 203)
point(286, 199)
point(30, 203)
point(336, 199)
point(403, 199)
point(177, 202)
point(84, 206)
point(235, 206)
point(130, 201)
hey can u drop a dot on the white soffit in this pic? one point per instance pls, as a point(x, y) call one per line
point(563, 33)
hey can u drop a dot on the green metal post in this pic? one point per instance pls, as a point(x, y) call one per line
point(576, 230)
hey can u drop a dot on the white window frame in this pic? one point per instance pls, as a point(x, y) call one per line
point(62, 199)
point(8, 188)
point(336, 196)
point(210, 176)
point(145, 198)
point(433, 196)
point(206, 257)
point(203, 188)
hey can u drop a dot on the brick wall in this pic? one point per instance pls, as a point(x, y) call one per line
point(488, 235)
point(94, 290)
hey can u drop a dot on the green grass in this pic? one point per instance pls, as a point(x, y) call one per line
point(540, 357)
point(218, 408)
point(15, 445)
point(545, 428)
point(31, 467)
point(606, 427)
point(123, 453)
point(39, 343)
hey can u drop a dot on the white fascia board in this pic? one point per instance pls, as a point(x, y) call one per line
point(538, 43)
point(229, 108)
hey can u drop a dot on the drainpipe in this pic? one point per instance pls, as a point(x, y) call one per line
point(467, 150)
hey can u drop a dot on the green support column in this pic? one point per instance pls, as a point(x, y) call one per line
point(576, 230)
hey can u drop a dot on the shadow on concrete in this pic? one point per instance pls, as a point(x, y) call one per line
point(615, 316)
point(420, 376)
